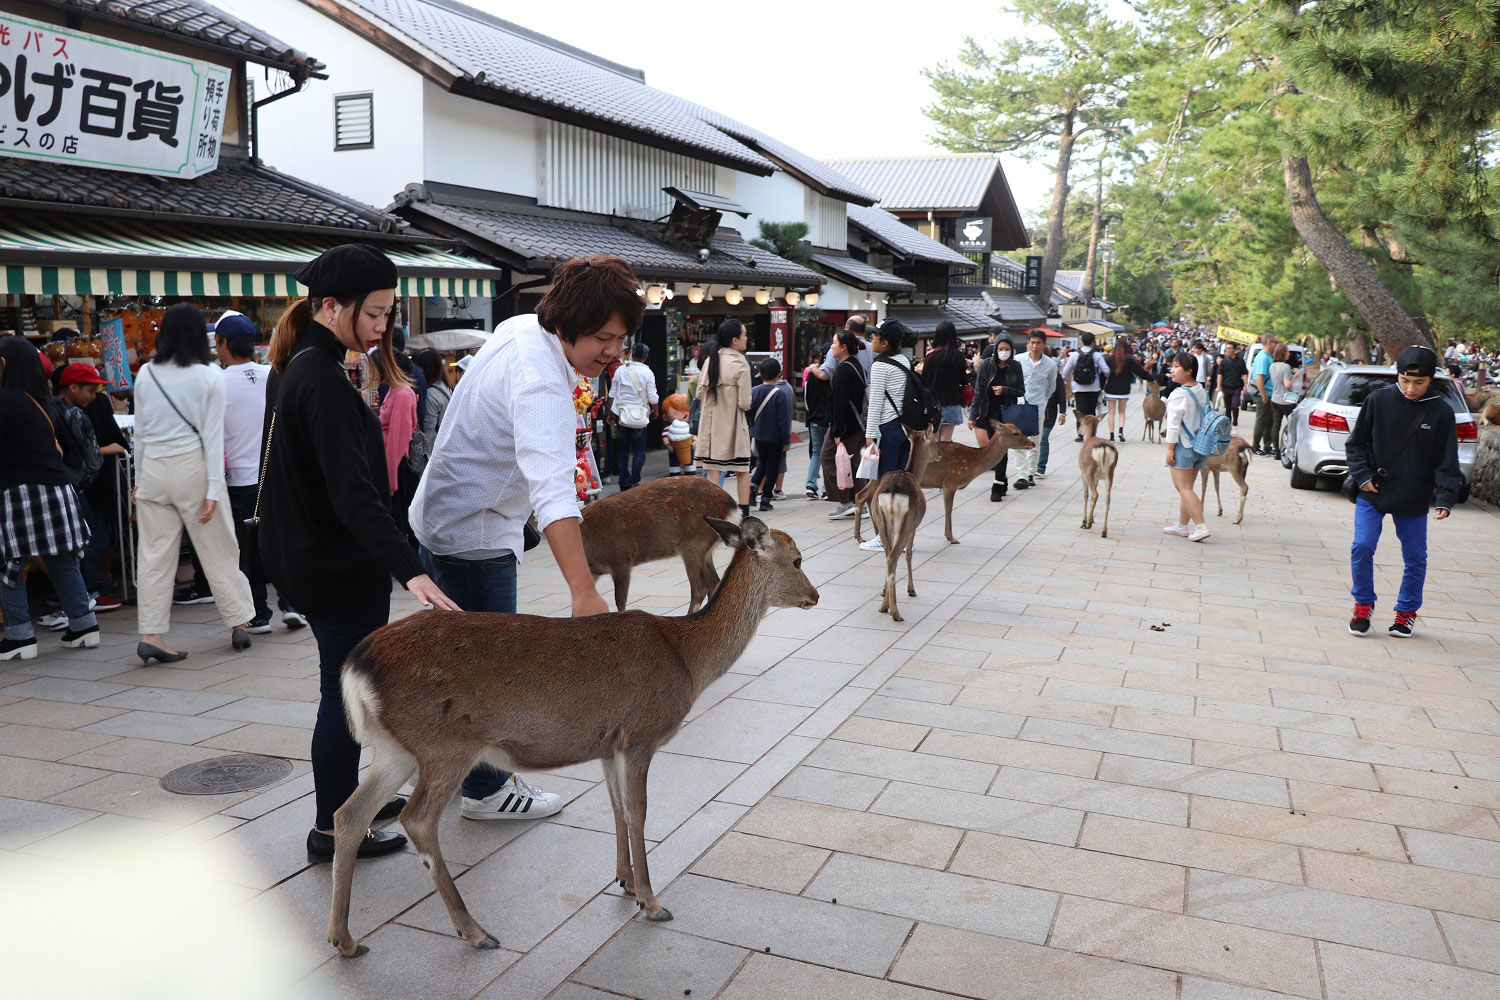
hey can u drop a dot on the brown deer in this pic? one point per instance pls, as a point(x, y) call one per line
point(897, 510)
point(1236, 462)
point(1154, 408)
point(950, 466)
point(657, 520)
point(441, 690)
point(1097, 459)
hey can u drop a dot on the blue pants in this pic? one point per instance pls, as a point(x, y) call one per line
point(67, 581)
point(632, 451)
point(1045, 447)
point(479, 585)
point(768, 455)
point(895, 446)
point(1411, 529)
point(815, 435)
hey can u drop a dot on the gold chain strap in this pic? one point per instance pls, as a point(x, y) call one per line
point(265, 462)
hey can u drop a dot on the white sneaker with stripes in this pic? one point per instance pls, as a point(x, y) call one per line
point(516, 799)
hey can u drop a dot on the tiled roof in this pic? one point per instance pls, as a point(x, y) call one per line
point(535, 240)
point(197, 21)
point(905, 240)
point(951, 182)
point(816, 174)
point(861, 275)
point(699, 199)
point(968, 316)
point(1009, 306)
point(238, 191)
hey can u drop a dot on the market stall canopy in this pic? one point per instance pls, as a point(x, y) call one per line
point(46, 254)
point(1099, 328)
point(448, 340)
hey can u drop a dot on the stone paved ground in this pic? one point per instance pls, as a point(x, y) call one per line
point(1082, 768)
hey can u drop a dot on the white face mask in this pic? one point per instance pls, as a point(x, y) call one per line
point(1003, 355)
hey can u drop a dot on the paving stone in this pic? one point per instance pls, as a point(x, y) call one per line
point(1475, 943)
point(1029, 820)
point(1460, 854)
point(409, 963)
point(1110, 740)
point(1020, 753)
point(761, 861)
point(758, 779)
point(918, 768)
point(991, 968)
point(64, 689)
point(1356, 974)
point(271, 711)
point(41, 743)
point(769, 977)
point(1271, 715)
point(880, 733)
point(658, 963)
point(1238, 785)
point(1036, 707)
point(1089, 795)
point(119, 835)
point(846, 644)
point(831, 788)
point(1419, 758)
point(291, 742)
point(1194, 988)
point(843, 937)
point(163, 728)
point(54, 714)
point(1105, 694)
point(1191, 848)
point(1315, 913)
point(676, 787)
point(1351, 707)
point(934, 897)
point(737, 730)
point(918, 690)
point(949, 717)
point(795, 681)
point(1271, 823)
point(1285, 765)
point(1070, 870)
point(565, 949)
point(1398, 810)
point(141, 756)
point(852, 832)
point(169, 700)
point(23, 822)
point(1418, 885)
point(1244, 955)
point(1444, 788)
point(22, 778)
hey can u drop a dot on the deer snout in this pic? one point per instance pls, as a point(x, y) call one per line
point(809, 599)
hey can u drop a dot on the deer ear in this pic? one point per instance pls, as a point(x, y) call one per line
point(756, 536)
point(727, 530)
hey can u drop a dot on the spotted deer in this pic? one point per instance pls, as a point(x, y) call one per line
point(440, 691)
point(1154, 408)
point(1236, 462)
point(897, 510)
point(1097, 459)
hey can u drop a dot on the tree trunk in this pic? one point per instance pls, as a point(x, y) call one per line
point(1092, 267)
point(1382, 312)
point(1053, 254)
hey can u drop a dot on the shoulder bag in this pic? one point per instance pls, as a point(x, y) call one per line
point(1351, 489)
point(766, 399)
point(634, 415)
point(248, 530)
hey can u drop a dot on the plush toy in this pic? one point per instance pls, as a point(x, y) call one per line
point(677, 435)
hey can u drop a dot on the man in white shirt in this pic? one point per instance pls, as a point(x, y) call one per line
point(1084, 392)
point(505, 451)
point(244, 419)
point(633, 388)
point(1040, 373)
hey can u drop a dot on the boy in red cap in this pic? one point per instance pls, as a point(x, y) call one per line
point(84, 457)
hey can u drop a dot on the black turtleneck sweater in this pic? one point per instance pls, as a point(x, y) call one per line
point(327, 537)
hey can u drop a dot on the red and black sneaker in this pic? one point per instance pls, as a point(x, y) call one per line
point(1401, 628)
point(1360, 623)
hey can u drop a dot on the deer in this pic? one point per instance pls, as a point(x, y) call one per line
point(1236, 462)
point(1154, 408)
point(657, 520)
point(897, 510)
point(950, 466)
point(1097, 459)
point(439, 691)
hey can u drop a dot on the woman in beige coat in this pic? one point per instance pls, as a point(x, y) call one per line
point(723, 431)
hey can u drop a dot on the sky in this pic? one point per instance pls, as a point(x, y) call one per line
point(833, 79)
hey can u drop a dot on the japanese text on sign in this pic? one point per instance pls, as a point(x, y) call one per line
point(80, 98)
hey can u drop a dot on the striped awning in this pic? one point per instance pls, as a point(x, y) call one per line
point(73, 255)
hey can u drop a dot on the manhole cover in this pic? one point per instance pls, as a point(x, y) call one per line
point(219, 775)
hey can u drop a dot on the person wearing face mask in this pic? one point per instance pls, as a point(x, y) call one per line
point(327, 538)
point(999, 383)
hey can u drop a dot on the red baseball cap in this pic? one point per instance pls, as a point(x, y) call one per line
point(79, 373)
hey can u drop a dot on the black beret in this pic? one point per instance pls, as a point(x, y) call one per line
point(346, 270)
point(1418, 361)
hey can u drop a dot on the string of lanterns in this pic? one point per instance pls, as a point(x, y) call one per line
point(656, 294)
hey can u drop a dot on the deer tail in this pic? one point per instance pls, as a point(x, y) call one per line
point(893, 510)
point(361, 702)
point(1105, 457)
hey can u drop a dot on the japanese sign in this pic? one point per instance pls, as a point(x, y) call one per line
point(973, 234)
point(781, 340)
point(116, 361)
point(1033, 284)
point(1237, 336)
point(79, 98)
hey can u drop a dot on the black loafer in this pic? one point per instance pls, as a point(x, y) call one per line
point(391, 809)
point(374, 844)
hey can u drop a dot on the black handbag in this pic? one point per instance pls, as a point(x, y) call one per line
point(1026, 417)
point(1351, 489)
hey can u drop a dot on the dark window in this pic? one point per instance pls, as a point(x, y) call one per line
point(354, 121)
point(1353, 390)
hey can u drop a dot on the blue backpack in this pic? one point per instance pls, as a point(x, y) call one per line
point(1213, 429)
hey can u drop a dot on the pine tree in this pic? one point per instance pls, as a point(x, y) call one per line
point(787, 240)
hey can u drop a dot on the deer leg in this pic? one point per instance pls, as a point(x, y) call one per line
point(1244, 492)
point(420, 819)
point(1218, 496)
point(614, 780)
point(892, 560)
point(622, 586)
point(389, 770)
point(948, 514)
point(1085, 522)
point(1109, 489)
point(911, 586)
point(636, 767)
point(860, 499)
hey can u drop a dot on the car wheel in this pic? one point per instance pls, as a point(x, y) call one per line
point(1287, 459)
point(1303, 480)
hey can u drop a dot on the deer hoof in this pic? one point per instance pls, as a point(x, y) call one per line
point(661, 915)
point(351, 948)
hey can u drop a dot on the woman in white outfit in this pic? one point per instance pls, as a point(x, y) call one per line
point(179, 448)
point(1185, 409)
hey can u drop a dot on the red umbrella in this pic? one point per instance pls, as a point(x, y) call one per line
point(1044, 330)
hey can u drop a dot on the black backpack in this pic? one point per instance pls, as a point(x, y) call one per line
point(919, 408)
point(81, 455)
point(1086, 370)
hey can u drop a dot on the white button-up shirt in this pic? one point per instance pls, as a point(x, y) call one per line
point(1041, 378)
point(506, 448)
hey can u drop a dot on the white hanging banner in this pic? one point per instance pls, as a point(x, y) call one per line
point(80, 98)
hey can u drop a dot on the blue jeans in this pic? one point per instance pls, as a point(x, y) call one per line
point(67, 581)
point(815, 435)
point(478, 585)
point(1411, 529)
point(1045, 447)
point(335, 754)
point(632, 450)
point(894, 446)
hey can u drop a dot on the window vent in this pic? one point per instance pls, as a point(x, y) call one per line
point(354, 121)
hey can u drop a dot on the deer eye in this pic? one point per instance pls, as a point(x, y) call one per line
point(797, 563)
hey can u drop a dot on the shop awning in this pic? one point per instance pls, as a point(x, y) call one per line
point(1099, 328)
point(73, 255)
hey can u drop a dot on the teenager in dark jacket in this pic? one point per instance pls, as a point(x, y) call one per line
point(1403, 456)
point(999, 383)
point(327, 537)
point(846, 419)
point(817, 397)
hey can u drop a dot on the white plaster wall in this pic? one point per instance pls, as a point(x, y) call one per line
point(478, 145)
point(777, 198)
point(296, 133)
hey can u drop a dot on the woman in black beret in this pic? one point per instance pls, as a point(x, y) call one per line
point(327, 537)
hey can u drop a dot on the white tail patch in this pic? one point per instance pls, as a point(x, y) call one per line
point(361, 703)
point(893, 509)
point(1105, 456)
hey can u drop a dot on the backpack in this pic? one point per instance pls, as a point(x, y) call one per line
point(1085, 369)
point(80, 448)
point(918, 409)
point(1213, 429)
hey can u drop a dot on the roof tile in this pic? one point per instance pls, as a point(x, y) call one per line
point(894, 233)
point(950, 182)
point(194, 19)
point(862, 274)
